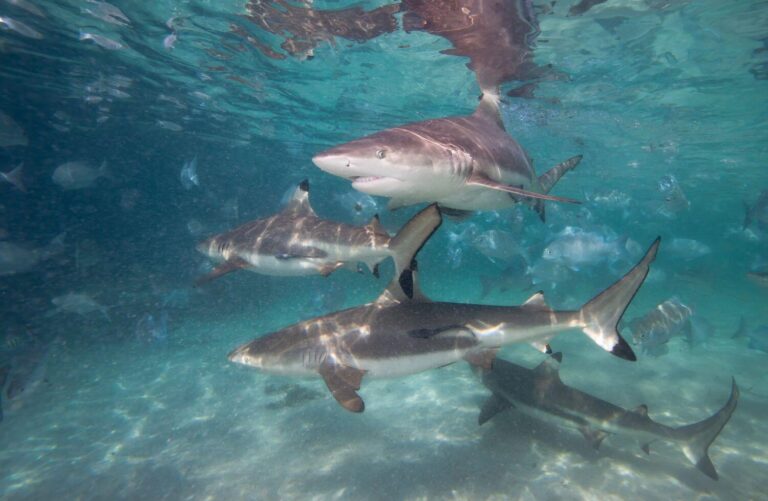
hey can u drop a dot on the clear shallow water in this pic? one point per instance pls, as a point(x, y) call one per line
point(647, 90)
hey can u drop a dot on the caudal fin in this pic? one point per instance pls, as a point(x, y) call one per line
point(602, 314)
point(411, 237)
point(696, 438)
point(548, 180)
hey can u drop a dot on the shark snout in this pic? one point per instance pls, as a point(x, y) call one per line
point(242, 356)
point(334, 163)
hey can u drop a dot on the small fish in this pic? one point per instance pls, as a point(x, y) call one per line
point(757, 214)
point(575, 248)
point(515, 277)
point(673, 200)
point(688, 248)
point(20, 28)
point(757, 337)
point(22, 376)
point(359, 206)
point(168, 125)
point(653, 330)
point(152, 328)
point(11, 133)
point(27, 6)
point(15, 177)
point(17, 258)
point(170, 41)
point(501, 247)
point(758, 277)
point(78, 303)
point(699, 332)
point(101, 41)
point(107, 13)
point(188, 174)
point(78, 175)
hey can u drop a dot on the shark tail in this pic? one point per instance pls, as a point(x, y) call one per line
point(411, 237)
point(696, 438)
point(548, 180)
point(600, 316)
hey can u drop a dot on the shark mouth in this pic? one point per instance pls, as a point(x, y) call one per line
point(366, 179)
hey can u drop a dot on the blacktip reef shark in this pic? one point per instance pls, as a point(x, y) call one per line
point(539, 392)
point(464, 163)
point(402, 332)
point(295, 241)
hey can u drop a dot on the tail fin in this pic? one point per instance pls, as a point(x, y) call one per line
point(696, 438)
point(411, 237)
point(551, 177)
point(602, 314)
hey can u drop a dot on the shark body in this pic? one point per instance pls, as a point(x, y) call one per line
point(403, 332)
point(464, 163)
point(539, 392)
point(295, 241)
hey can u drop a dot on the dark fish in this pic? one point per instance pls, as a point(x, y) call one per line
point(541, 393)
point(757, 213)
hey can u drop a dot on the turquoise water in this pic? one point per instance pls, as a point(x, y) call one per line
point(133, 396)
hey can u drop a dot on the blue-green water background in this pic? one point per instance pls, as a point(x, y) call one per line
point(649, 90)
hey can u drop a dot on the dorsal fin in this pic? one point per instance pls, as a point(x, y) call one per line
point(537, 300)
point(550, 366)
point(403, 288)
point(489, 108)
point(299, 201)
point(641, 409)
point(375, 225)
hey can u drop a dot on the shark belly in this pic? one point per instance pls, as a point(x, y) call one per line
point(405, 365)
point(271, 265)
point(473, 198)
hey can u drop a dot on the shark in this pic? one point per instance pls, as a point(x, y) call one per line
point(464, 163)
point(295, 241)
point(541, 393)
point(402, 332)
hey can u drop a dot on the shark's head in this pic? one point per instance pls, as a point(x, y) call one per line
point(397, 163)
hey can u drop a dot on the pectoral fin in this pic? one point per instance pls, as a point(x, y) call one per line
point(491, 407)
point(594, 437)
point(221, 270)
point(343, 382)
point(329, 268)
point(479, 180)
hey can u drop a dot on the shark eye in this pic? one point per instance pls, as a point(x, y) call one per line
point(381, 154)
